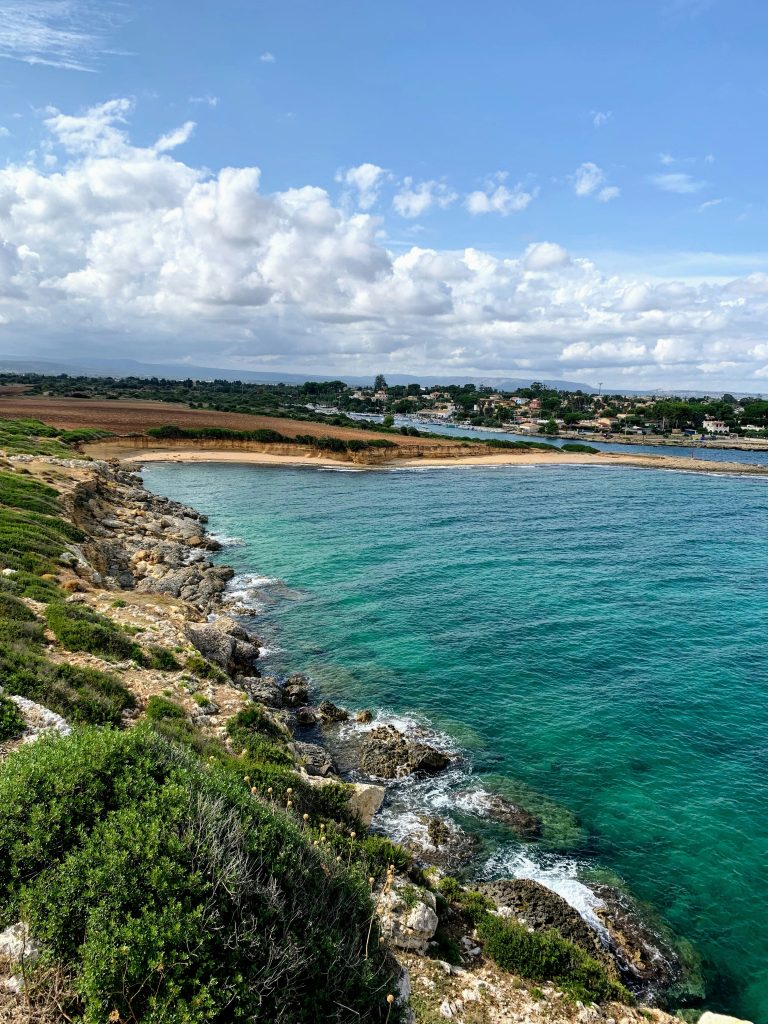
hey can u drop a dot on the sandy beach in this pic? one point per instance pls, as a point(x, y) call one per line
point(517, 457)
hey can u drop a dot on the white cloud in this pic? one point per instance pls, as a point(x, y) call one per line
point(587, 178)
point(175, 138)
point(125, 247)
point(682, 184)
point(365, 180)
point(605, 195)
point(208, 101)
point(600, 118)
point(710, 203)
point(500, 199)
point(268, 58)
point(414, 200)
point(545, 256)
point(4, 133)
point(68, 34)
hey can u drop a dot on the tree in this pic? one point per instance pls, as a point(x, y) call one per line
point(389, 421)
point(550, 427)
point(380, 383)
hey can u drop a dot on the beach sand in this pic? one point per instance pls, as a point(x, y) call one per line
point(107, 450)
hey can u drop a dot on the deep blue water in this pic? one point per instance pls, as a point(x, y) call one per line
point(596, 636)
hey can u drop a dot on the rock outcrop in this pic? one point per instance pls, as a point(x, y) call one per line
point(407, 916)
point(387, 753)
point(225, 643)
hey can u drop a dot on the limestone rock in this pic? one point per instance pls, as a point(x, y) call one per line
point(408, 916)
point(296, 691)
point(225, 643)
point(331, 712)
point(364, 799)
point(387, 753)
point(313, 758)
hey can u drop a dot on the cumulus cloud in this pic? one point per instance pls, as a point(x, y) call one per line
point(605, 195)
point(682, 184)
point(268, 58)
point(500, 199)
point(123, 247)
point(413, 200)
point(545, 256)
point(600, 118)
point(364, 181)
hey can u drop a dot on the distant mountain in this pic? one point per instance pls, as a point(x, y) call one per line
point(179, 371)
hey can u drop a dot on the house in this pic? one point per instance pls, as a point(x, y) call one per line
point(711, 426)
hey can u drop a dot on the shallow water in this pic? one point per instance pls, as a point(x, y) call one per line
point(597, 635)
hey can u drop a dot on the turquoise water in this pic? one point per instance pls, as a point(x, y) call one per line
point(597, 634)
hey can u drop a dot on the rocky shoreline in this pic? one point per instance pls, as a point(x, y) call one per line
point(152, 556)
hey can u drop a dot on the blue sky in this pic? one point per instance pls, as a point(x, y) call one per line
point(630, 137)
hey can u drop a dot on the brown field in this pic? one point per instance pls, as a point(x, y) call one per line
point(133, 417)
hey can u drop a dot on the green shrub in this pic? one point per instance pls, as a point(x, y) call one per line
point(11, 720)
point(159, 707)
point(161, 658)
point(204, 669)
point(585, 449)
point(79, 628)
point(546, 956)
point(172, 895)
point(251, 721)
point(78, 694)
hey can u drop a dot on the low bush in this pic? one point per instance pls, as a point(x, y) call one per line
point(78, 694)
point(11, 720)
point(79, 628)
point(159, 708)
point(170, 893)
point(546, 956)
point(575, 447)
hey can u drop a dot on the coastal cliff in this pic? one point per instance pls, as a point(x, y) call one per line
point(143, 669)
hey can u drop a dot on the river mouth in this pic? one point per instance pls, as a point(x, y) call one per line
point(566, 629)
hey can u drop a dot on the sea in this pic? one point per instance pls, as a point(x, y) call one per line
point(593, 640)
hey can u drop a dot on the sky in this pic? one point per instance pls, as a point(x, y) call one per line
point(530, 188)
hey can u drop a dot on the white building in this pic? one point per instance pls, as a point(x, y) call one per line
point(715, 427)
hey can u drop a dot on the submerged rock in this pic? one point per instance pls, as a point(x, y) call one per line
point(498, 808)
point(646, 959)
point(387, 753)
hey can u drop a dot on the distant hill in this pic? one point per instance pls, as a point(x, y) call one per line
point(179, 371)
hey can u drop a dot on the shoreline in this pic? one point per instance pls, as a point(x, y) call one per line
point(136, 456)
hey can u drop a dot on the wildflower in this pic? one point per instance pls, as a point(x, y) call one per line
point(371, 880)
point(390, 999)
point(353, 835)
point(305, 817)
point(246, 778)
point(254, 791)
point(289, 791)
point(289, 805)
